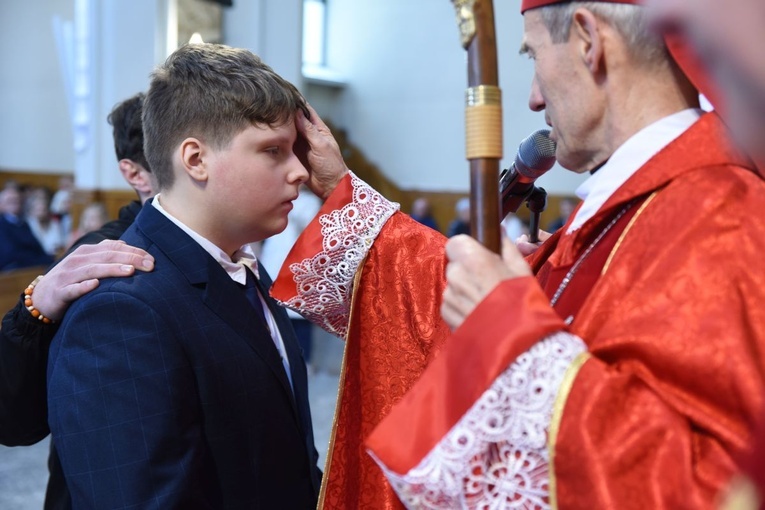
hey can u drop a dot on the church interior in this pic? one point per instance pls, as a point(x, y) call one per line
point(388, 77)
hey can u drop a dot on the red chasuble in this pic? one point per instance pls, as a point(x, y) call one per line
point(385, 302)
point(668, 303)
point(665, 399)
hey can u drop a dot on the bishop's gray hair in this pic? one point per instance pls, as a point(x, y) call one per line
point(630, 21)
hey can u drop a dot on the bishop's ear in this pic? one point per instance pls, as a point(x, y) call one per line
point(586, 30)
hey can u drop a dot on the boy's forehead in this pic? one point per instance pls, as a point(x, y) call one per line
point(282, 132)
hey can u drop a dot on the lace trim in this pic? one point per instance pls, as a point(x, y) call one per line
point(324, 282)
point(496, 455)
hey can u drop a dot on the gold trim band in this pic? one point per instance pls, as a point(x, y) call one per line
point(483, 122)
point(483, 95)
point(483, 132)
point(626, 230)
point(557, 417)
point(340, 388)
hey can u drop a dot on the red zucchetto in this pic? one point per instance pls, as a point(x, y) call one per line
point(533, 4)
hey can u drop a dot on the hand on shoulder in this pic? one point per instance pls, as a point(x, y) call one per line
point(78, 273)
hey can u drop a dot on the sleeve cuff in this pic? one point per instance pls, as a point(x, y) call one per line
point(497, 451)
point(316, 279)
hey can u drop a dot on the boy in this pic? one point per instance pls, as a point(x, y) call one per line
point(185, 387)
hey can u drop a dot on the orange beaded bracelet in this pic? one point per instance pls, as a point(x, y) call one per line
point(30, 306)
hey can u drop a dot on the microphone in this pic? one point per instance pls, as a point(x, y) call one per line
point(536, 155)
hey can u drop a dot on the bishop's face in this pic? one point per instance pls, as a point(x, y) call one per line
point(729, 37)
point(564, 89)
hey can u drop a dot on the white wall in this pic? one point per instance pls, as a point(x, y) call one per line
point(406, 74)
point(272, 29)
point(130, 42)
point(35, 132)
point(402, 59)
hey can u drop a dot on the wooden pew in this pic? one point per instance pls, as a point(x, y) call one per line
point(13, 283)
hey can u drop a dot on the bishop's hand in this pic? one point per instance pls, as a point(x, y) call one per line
point(319, 152)
point(473, 272)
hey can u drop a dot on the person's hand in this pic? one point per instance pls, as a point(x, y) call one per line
point(320, 154)
point(78, 273)
point(526, 247)
point(473, 272)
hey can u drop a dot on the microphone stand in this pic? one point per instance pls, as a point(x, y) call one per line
point(537, 203)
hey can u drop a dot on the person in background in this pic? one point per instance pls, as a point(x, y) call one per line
point(19, 247)
point(24, 340)
point(93, 216)
point(45, 226)
point(513, 227)
point(461, 222)
point(421, 212)
point(565, 208)
point(61, 205)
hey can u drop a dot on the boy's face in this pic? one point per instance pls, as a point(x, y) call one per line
point(254, 181)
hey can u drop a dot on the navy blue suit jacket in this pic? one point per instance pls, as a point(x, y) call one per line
point(164, 391)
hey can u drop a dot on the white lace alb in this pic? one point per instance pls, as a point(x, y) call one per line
point(324, 282)
point(496, 455)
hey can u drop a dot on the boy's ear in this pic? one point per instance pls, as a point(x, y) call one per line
point(136, 175)
point(193, 154)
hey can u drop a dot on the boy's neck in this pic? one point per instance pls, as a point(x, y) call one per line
point(194, 218)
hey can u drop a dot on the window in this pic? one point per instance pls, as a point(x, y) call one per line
point(314, 32)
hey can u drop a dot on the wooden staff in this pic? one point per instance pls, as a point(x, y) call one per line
point(483, 118)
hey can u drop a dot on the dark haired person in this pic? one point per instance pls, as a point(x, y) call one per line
point(24, 338)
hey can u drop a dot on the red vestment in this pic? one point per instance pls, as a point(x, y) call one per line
point(665, 399)
point(391, 323)
point(650, 416)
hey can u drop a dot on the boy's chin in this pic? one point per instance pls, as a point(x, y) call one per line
point(277, 229)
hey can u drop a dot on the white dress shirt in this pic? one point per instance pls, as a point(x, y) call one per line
point(627, 159)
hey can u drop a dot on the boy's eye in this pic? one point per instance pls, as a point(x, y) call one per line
point(273, 150)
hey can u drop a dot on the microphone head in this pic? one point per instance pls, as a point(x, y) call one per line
point(536, 154)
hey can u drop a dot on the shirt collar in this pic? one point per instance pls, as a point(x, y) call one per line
point(628, 159)
point(244, 256)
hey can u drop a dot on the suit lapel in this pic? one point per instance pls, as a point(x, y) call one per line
point(224, 297)
point(219, 292)
point(291, 345)
point(297, 364)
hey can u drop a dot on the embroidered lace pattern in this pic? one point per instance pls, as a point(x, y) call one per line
point(496, 455)
point(324, 282)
